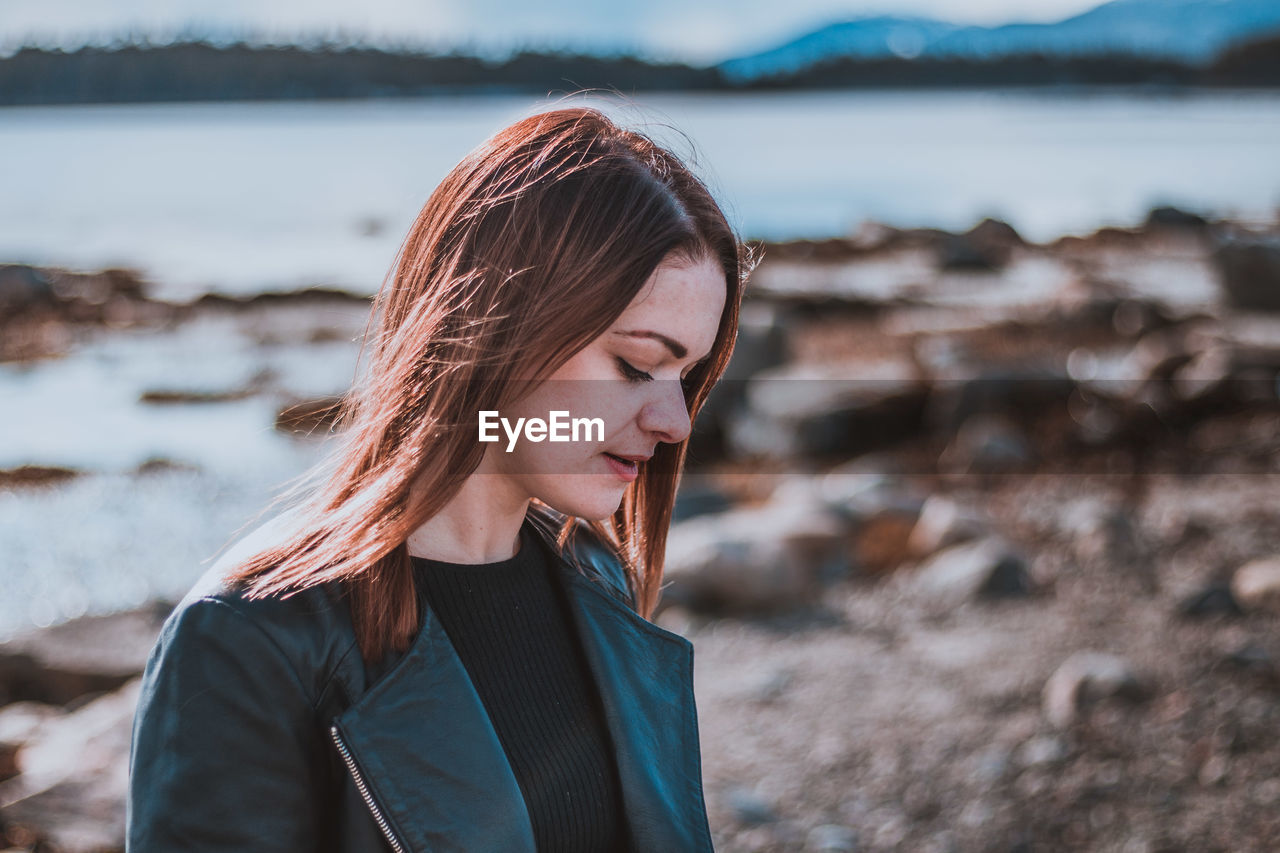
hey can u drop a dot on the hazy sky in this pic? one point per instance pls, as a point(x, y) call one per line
point(696, 30)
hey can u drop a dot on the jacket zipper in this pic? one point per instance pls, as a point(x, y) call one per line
point(365, 794)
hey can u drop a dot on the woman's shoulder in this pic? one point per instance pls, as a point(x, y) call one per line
point(310, 628)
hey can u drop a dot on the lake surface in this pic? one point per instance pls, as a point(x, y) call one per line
point(240, 198)
point(245, 197)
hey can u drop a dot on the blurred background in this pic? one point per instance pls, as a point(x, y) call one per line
point(978, 541)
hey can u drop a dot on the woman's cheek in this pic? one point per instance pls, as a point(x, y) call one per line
point(618, 421)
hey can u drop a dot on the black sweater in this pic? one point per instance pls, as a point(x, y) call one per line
point(509, 623)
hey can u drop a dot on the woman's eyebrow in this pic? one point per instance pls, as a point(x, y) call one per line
point(678, 349)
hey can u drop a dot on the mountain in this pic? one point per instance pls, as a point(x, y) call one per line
point(1189, 30)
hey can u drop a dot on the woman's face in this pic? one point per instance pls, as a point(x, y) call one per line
point(630, 378)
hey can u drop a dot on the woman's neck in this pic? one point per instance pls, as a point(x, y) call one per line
point(480, 524)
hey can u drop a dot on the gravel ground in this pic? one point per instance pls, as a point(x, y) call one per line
point(880, 722)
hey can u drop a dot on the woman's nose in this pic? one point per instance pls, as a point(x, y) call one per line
point(665, 413)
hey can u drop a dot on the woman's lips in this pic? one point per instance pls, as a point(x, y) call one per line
point(625, 469)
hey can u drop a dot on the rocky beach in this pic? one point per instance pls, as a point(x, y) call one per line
point(978, 545)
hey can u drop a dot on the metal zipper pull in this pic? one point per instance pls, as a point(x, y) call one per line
point(365, 794)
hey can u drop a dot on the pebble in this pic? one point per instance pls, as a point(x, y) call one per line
point(1038, 751)
point(749, 808)
point(986, 568)
point(1256, 585)
point(1085, 677)
point(1212, 600)
point(833, 838)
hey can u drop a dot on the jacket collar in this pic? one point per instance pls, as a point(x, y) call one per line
point(455, 790)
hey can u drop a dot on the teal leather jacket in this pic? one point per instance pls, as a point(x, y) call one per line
point(260, 729)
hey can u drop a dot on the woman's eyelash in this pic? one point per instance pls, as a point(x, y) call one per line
point(631, 373)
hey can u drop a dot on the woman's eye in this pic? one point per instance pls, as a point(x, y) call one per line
point(631, 373)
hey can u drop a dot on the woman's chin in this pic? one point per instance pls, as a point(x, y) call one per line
point(596, 507)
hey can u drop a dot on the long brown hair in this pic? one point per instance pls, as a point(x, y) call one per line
point(529, 249)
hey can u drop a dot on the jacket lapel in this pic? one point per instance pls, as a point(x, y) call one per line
point(455, 790)
point(644, 675)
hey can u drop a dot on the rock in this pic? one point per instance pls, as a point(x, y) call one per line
point(305, 417)
point(942, 523)
point(870, 236)
point(693, 501)
point(1249, 268)
point(676, 619)
point(786, 834)
point(1205, 378)
point(1172, 217)
point(881, 541)
point(823, 251)
point(1157, 356)
point(1254, 340)
point(890, 832)
point(1214, 599)
point(71, 792)
point(987, 568)
point(23, 288)
point(1256, 585)
point(163, 465)
point(761, 345)
point(113, 297)
point(1016, 393)
point(1041, 751)
point(748, 807)
point(754, 559)
point(991, 765)
point(1257, 662)
point(1134, 317)
point(1252, 658)
point(1214, 770)
point(987, 246)
point(761, 342)
point(829, 410)
point(879, 513)
point(92, 654)
point(862, 487)
point(1086, 677)
point(20, 720)
point(175, 396)
point(303, 296)
point(1100, 532)
point(832, 837)
point(986, 444)
point(769, 686)
point(26, 476)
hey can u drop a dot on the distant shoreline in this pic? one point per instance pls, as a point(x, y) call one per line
point(1063, 90)
point(197, 72)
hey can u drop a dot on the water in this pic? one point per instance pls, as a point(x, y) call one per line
point(246, 197)
point(241, 198)
point(114, 538)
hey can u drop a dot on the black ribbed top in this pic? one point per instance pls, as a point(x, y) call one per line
point(510, 624)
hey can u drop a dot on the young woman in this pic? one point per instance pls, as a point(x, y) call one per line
point(446, 644)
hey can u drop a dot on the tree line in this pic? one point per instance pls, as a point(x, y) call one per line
point(201, 71)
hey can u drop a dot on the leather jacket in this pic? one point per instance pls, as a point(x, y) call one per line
point(259, 728)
